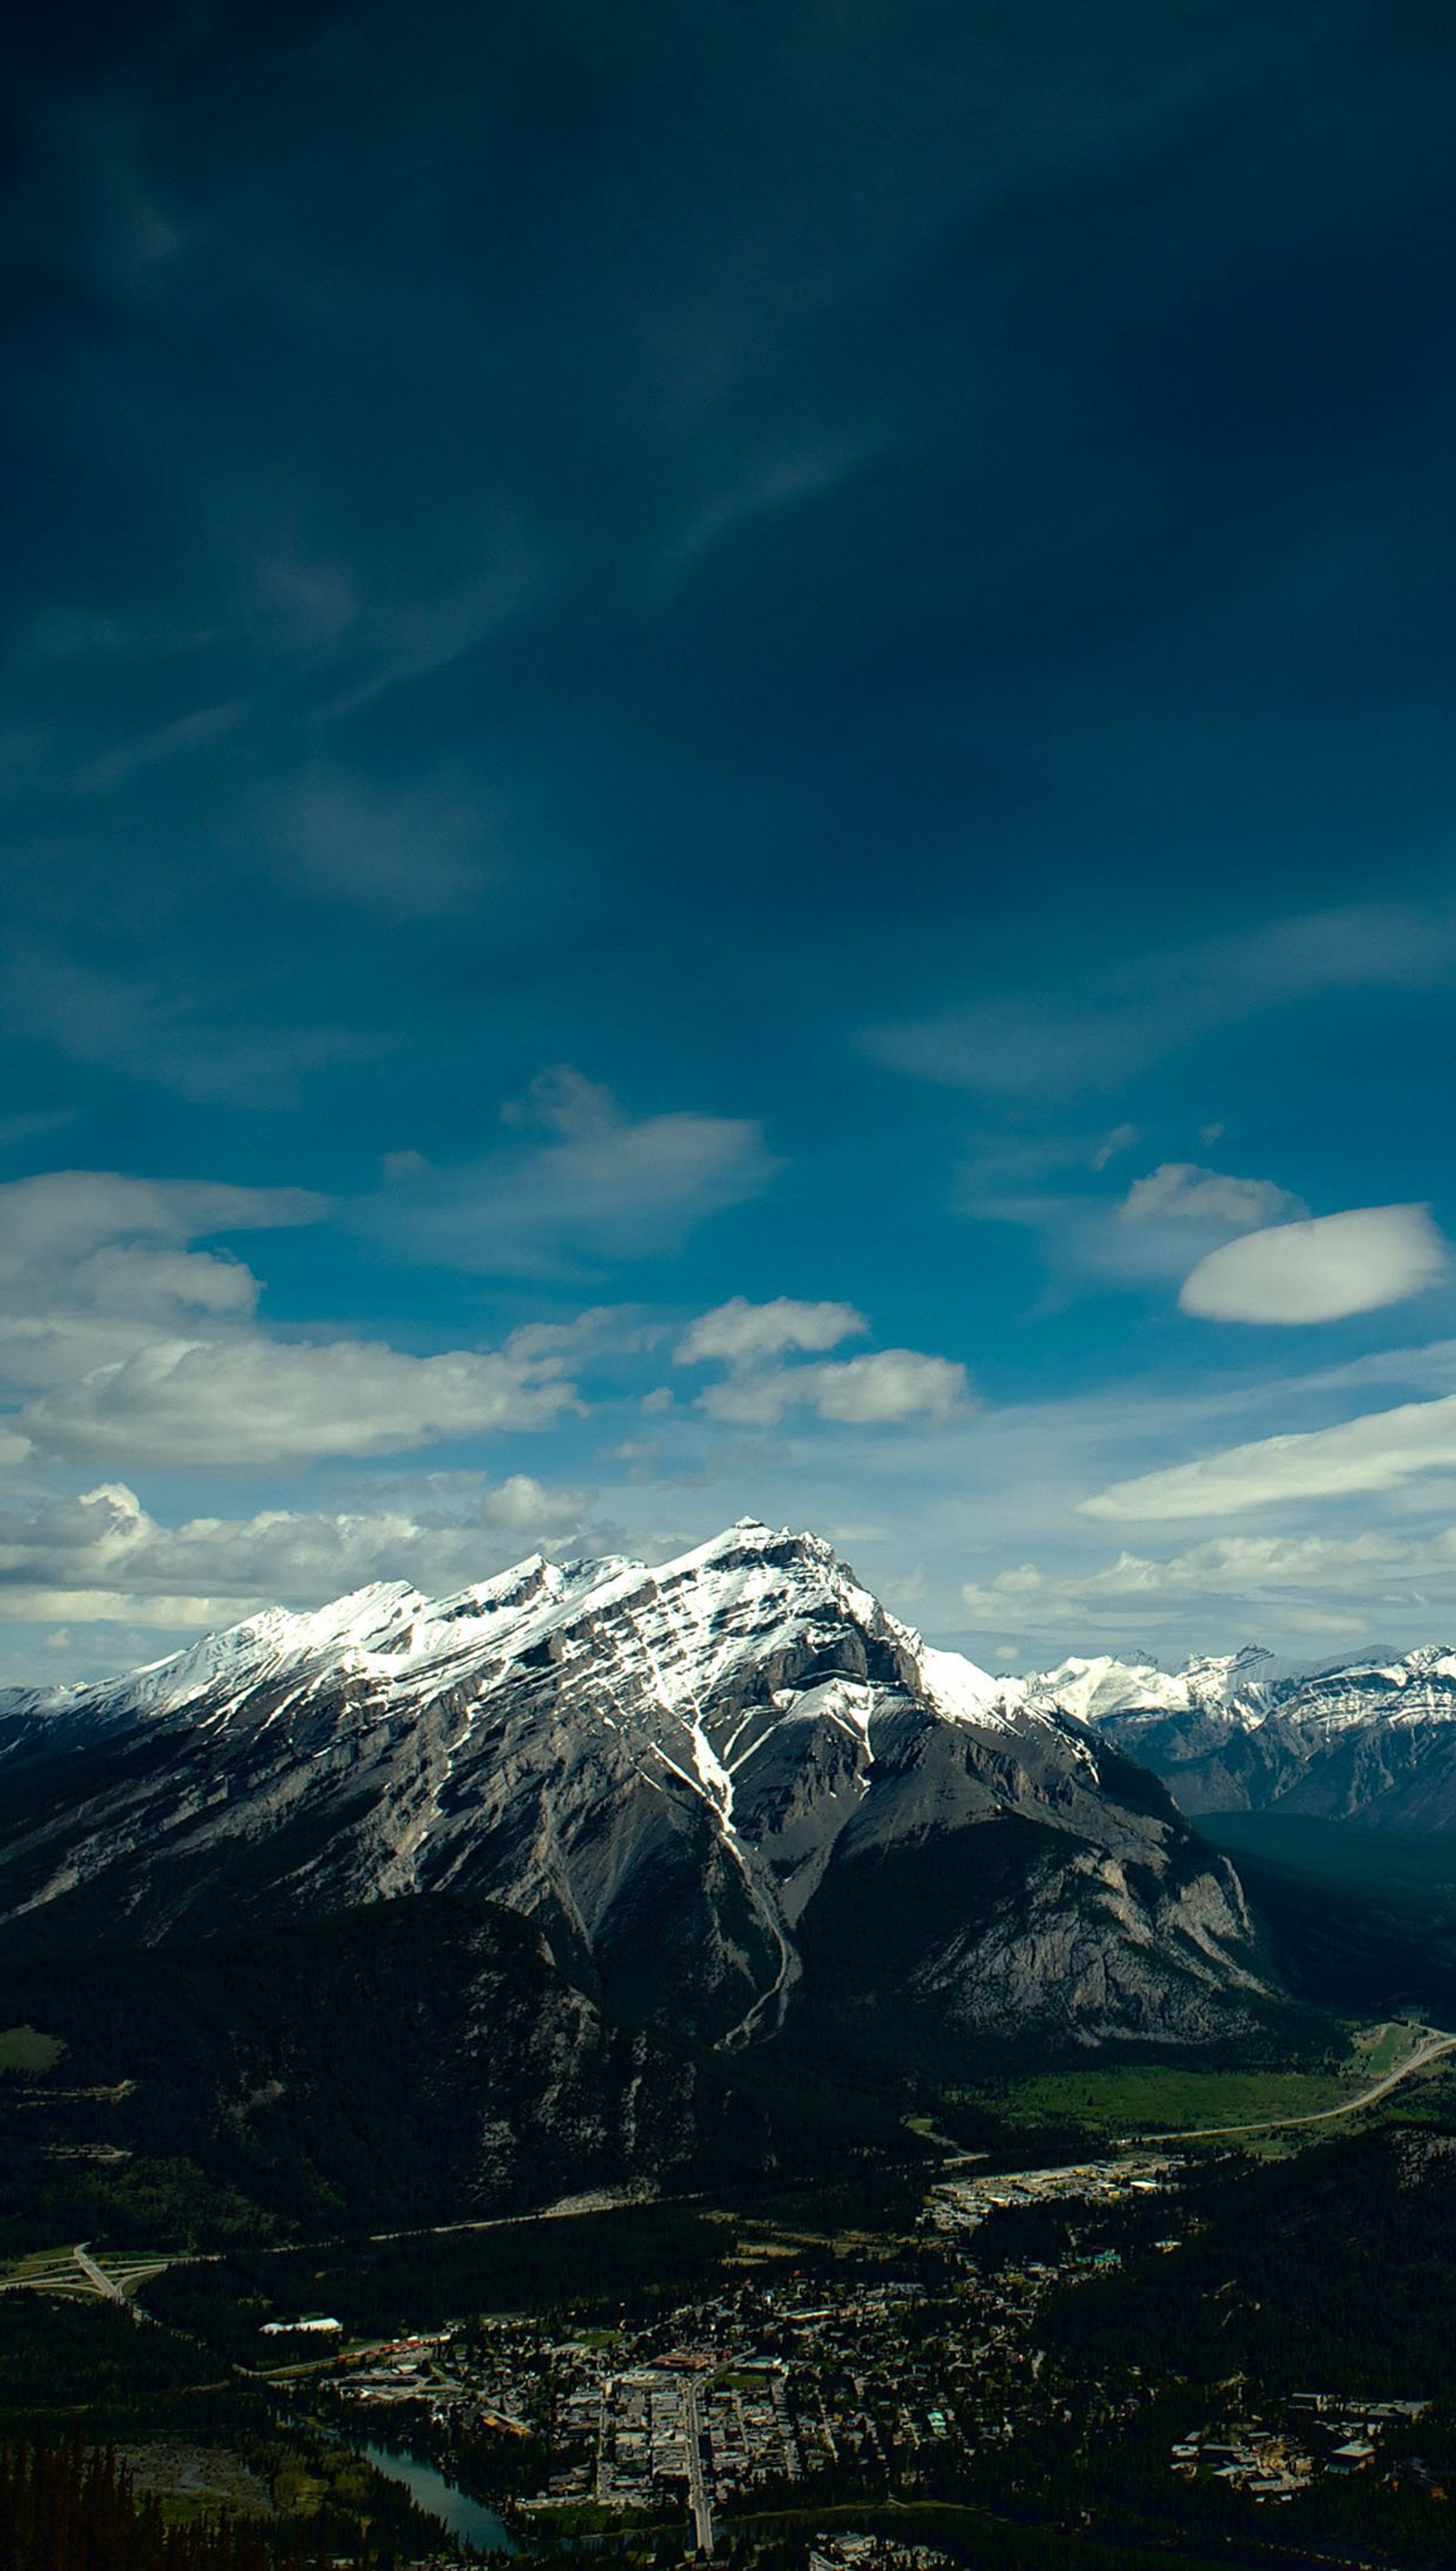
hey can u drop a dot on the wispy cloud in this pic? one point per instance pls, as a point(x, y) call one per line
point(1168, 1222)
point(212, 1039)
point(1373, 1454)
point(601, 1186)
point(400, 853)
point(1088, 1034)
point(69, 1213)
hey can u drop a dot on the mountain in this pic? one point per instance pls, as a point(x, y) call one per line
point(412, 2062)
point(1372, 1741)
point(734, 1794)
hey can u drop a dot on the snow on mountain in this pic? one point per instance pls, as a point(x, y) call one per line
point(692, 1623)
point(1373, 1738)
point(1093, 1690)
point(731, 1788)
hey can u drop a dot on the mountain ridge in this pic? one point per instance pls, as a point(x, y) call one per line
point(1371, 1738)
point(679, 1773)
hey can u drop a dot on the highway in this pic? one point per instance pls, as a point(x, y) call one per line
point(1435, 2045)
point(103, 2284)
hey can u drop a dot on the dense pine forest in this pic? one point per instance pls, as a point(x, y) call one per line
point(64, 2508)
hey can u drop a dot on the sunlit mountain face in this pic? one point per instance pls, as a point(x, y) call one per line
point(737, 1796)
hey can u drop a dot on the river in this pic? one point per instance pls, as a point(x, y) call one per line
point(459, 2515)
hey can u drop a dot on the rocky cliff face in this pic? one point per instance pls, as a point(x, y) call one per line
point(732, 1792)
point(1368, 1740)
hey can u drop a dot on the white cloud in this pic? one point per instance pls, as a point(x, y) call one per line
point(601, 1188)
point(1225, 1565)
point(758, 1398)
point(1313, 1585)
point(1320, 1270)
point(257, 1401)
point(94, 1266)
point(134, 1282)
point(1181, 1191)
point(747, 1333)
point(1121, 1139)
point(136, 1350)
point(1163, 1224)
point(102, 1557)
point(1271, 1562)
point(893, 1384)
point(64, 1214)
point(521, 1505)
point(1373, 1454)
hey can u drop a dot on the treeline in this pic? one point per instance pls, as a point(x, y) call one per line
point(635, 2256)
point(63, 2508)
point(72, 2363)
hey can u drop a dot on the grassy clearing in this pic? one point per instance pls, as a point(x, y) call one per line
point(1381, 2049)
point(1130, 2100)
point(1133, 2100)
point(196, 2481)
point(26, 2050)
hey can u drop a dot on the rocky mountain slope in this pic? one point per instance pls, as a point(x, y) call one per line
point(1369, 1739)
point(734, 1794)
point(409, 2062)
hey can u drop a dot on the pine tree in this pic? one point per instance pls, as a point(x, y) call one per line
point(70, 2508)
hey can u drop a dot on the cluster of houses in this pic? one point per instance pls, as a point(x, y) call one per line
point(873, 2553)
point(1320, 2434)
point(653, 2421)
point(789, 2369)
point(960, 2205)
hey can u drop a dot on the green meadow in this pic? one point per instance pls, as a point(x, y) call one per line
point(25, 2049)
point(1130, 2098)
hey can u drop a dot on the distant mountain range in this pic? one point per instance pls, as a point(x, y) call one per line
point(1369, 1739)
point(740, 1800)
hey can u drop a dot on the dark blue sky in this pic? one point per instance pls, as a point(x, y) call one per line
point(766, 691)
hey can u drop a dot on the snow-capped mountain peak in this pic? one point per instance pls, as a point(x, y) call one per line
point(1210, 1682)
point(688, 1623)
point(1373, 1736)
point(677, 1769)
